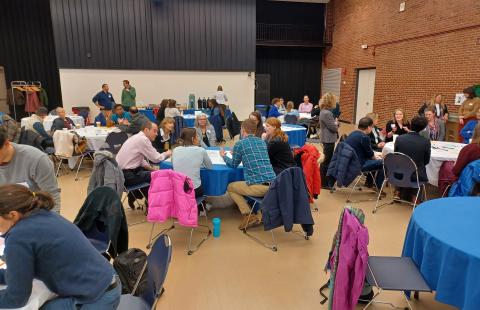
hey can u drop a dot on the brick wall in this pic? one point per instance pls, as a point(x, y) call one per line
point(413, 70)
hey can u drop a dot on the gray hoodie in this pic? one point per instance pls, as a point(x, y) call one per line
point(106, 173)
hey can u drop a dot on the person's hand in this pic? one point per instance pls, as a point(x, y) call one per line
point(222, 152)
point(445, 117)
point(378, 156)
point(168, 153)
point(264, 136)
point(460, 121)
point(406, 129)
point(381, 145)
point(390, 134)
point(394, 129)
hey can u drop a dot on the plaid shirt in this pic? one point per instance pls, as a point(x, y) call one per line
point(252, 152)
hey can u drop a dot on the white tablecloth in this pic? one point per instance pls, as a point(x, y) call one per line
point(441, 151)
point(48, 121)
point(305, 115)
point(95, 136)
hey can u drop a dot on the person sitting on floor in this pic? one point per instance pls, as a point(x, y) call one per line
point(258, 172)
point(467, 130)
point(435, 130)
point(135, 155)
point(418, 148)
point(469, 153)
point(62, 121)
point(188, 158)
point(359, 140)
point(163, 141)
point(279, 151)
point(42, 245)
point(376, 138)
point(121, 116)
point(104, 118)
point(273, 111)
point(205, 131)
point(137, 122)
point(35, 123)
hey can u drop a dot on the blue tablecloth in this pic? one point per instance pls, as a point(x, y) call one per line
point(443, 240)
point(148, 113)
point(216, 180)
point(297, 136)
point(189, 122)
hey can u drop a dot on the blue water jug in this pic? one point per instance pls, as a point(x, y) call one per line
point(216, 227)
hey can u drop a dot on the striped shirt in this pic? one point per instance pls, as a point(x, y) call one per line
point(252, 152)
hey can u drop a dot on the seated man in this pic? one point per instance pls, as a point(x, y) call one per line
point(28, 166)
point(104, 118)
point(120, 116)
point(258, 172)
point(35, 123)
point(418, 148)
point(137, 122)
point(62, 121)
point(12, 128)
point(359, 140)
point(134, 156)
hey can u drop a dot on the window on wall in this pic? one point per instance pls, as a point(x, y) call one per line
point(331, 79)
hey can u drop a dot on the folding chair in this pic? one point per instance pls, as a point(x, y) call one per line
point(115, 140)
point(364, 174)
point(98, 237)
point(158, 262)
point(130, 190)
point(394, 274)
point(190, 250)
point(399, 169)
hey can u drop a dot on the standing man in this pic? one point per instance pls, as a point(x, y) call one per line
point(104, 100)
point(128, 95)
point(26, 165)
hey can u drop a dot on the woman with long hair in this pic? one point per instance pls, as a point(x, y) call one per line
point(171, 109)
point(435, 130)
point(40, 244)
point(188, 158)
point(469, 153)
point(256, 116)
point(161, 110)
point(279, 151)
point(398, 126)
point(163, 141)
point(205, 131)
point(328, 135)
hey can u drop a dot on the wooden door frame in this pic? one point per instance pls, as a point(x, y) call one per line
point(357, 73)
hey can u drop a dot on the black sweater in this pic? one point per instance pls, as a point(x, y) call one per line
point(280, 154)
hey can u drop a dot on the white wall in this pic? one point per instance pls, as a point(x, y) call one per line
point(79, 86)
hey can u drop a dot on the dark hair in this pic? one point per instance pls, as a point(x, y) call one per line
point(118, 105)
point(249, 126)
point(126, 81)
point(219, 88)
point(147, 124)
point(3, 136)
point(172, 103)
point(364, 123)
point(430, 108)
point(42, 111)
point(418, 123)
point(187, 136)
point(214, 102)
point(133, 110)
point(470, 91)
point(258, 116)
point(164, 103)
point(103, 85)
point(15, 197)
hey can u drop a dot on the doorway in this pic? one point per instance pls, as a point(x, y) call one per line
point(365, 93)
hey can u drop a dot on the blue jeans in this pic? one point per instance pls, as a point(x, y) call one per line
point(108, 301)
point(375, 165)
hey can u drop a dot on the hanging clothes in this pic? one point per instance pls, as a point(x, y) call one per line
point(42, 95)
point(33, 103)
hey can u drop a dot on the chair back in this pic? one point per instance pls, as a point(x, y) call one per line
point(291, 119)
point(32, 138)
point(115, 140)
point(157, 267)
point(233, 126)
point(399, 169)
point(179, 125)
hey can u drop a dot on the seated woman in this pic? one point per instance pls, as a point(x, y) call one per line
point(469, 153)
point(467, 130)
point(273, 111)
point(398, 126)
point(40, 244)
point(376, 138)
point(188, 158)
point(257, 118)
point(163, 141)
point(171, 109)
point(205, 131)
point(279, 151)
point(290, 110)
point(435, 130)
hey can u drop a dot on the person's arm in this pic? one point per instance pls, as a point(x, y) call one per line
point(441, 128)
point(367, 148)
point(41, 130)
point(19, 276)
point(330, 123)
point(151, 154)
point(47, 181)
point(207, 162)
point(133, 93)
point(95, 99)
point(225, 96)
point(421, 111)
point(113, 100)
point(236, 157)
point(462, 161)
point(212, 137)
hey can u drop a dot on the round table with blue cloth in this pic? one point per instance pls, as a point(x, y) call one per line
point(297, 135)
point(215, 180)
point(443, 241)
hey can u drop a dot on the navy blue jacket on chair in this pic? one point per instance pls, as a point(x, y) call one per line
point(468, 178)
point(287, 203)
point(345, 166)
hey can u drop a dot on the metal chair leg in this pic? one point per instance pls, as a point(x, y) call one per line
point(272, 246)
point(353, 188)
point(378, 198)
point(79, 166)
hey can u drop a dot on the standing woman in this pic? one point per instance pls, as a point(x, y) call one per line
point(171, 110)
point(214, 108)
point(205, 131)
point(279, 151)
point(257, 118)
point(468, 109)
point(161, 111)
point(398, 126)
point(220, 97)
point(163, 141)
point(435, 130)
point(328, 135)
point(40, 244)
point(438, 105)
point(188, 158)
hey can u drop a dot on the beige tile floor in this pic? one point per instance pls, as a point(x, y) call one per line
point(234, 272)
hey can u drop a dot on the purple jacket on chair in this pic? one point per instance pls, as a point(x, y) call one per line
point(352, 263)
point(167, 198)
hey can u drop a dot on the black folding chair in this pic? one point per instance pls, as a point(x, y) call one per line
point(290, 119)
point(115, 140)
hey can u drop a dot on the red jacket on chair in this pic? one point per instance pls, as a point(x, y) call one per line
point(309, 158)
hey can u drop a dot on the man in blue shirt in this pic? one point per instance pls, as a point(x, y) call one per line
point(359, 140)
point(120, 116)
point(273, 112)
point(104, 100)
point(252, 152)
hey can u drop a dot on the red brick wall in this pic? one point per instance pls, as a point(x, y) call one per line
point(408, 72)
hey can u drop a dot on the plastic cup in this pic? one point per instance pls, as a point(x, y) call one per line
point(216, 227)
point(98, 124)
point(393, 126)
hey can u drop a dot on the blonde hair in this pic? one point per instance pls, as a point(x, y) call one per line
point(290, 106)
point(404, 119)
point(328, 101)
point(165, 121)
point(275, 122)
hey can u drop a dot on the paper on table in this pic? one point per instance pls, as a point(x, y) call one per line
point(289, 128)
point(214, 157)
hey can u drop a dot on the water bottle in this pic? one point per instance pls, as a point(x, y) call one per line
point(216, 227)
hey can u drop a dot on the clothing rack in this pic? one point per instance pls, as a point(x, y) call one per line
point(22, 86)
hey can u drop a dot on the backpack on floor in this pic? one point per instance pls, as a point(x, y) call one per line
point(131, 266)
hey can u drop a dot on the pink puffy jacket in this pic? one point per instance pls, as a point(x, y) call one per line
point(168, 199)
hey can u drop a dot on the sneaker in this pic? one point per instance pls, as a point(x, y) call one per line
point(246, 223)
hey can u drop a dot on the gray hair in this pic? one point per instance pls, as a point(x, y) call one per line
point(198, 116)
